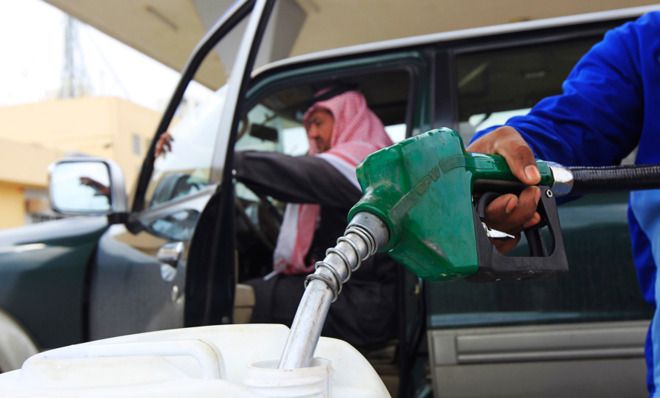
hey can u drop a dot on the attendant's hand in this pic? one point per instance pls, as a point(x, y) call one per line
point(512, 213)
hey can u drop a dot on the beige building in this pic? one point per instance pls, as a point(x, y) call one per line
point(34, 135)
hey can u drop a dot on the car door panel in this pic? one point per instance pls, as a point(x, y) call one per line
point(151, 291)
point(42, 278)
point(127, 291)
point(583, 359)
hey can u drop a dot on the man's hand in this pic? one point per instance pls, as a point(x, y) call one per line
point(510, 213)
point(99, 188)
point(164, 144)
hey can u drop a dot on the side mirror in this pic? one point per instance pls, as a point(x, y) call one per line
point(87, 186)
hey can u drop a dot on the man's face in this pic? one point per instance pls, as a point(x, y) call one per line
point(319, 128)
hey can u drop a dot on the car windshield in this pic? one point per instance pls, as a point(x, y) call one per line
point(184, 153)
point(193, 132)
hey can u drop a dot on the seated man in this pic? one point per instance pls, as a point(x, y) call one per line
point(320, 188)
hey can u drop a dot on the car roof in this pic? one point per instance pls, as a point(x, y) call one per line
point(564, 21)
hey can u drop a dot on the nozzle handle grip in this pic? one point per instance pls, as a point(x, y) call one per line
point(493, 167)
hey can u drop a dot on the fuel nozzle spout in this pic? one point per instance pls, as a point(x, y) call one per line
point(365, 234)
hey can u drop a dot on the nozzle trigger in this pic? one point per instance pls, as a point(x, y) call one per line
point(495, 234)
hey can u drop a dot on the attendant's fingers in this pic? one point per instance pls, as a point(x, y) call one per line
point(505, 245)
point(500, 207)
point(533, 221)
point(510, 214)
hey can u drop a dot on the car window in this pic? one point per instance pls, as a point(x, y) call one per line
point(185, 167)
point(482, 121)
point(601, 284)
point(183, 163)
point(494, 85)
point(275, 123)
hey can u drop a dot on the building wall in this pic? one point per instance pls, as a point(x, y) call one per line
point(75, 125)
point(26, 164)
point(23, 168)
point(12, 205)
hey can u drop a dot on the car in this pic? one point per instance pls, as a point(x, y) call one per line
point(175, 254)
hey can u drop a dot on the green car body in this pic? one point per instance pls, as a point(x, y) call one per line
point(44, 270)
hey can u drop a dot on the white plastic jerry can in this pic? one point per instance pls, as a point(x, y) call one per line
point(214, 361)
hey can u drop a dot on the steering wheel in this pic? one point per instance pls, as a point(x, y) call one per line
point(268, 220)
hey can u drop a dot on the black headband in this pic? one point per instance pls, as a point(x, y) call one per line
point(325, 93)
point(333, 91)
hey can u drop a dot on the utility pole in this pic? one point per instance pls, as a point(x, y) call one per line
point(74, 81)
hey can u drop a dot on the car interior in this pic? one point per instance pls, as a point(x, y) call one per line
point(275, 124)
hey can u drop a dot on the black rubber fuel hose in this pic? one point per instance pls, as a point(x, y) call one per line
point(614, 178)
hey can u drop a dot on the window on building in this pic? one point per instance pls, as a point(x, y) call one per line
point(136, 144)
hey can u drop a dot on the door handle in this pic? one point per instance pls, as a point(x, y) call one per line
point(170, 253)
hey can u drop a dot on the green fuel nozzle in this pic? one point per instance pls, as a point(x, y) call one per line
point(431, 194)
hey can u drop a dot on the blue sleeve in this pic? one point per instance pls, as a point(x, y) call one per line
point(597, 120)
